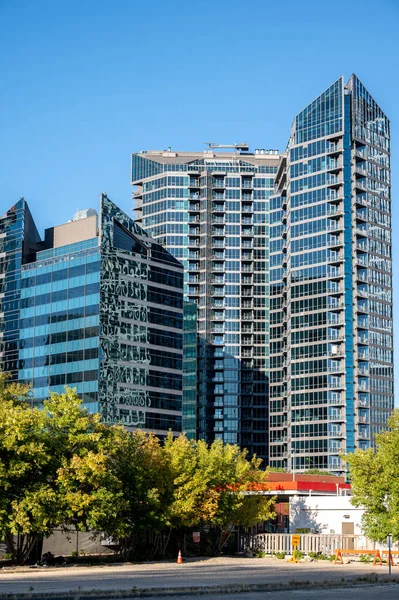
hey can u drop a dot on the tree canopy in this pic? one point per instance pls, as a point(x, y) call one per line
point(374, 477)
point(61, 467)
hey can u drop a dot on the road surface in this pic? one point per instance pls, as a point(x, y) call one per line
point(361, 593)
point(213, 572)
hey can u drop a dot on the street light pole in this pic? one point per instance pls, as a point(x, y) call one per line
point(389, 540)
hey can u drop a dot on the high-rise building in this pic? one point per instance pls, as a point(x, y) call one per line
point(97, 305)
point(331, 351)
point(288, 258)
point(210, 210)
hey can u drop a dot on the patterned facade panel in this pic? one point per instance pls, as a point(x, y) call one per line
point(141, 316)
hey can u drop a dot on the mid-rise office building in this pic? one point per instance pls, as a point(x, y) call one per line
point(210, 209)
point(288, 259)
point(96, 305)
point(331, 352)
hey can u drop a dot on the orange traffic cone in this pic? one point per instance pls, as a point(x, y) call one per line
point(179, 558)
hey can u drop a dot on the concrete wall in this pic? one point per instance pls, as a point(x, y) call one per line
point(61, 543)
point(72, 232)
point(325, 514)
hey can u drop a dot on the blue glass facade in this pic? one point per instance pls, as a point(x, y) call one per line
point(97, 307)
point(17, 235)
point(210, 210)
point(59, 321)
point(331, 307)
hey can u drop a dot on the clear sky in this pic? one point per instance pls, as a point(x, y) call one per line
point(84, 83)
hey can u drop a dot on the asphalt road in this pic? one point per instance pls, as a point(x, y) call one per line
point(361, 593)
point(202, 573)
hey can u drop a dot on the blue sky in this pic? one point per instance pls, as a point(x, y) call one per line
point(85, 83)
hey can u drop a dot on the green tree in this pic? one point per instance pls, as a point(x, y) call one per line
point(210, 486)
point(374, 477)
point(53, 468)
point(139, 462)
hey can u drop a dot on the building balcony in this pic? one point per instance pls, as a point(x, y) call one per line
point(193, 267)
point(336, 383)
point(363, 340)
point(360, 169)
point(194, 183)
point(193, 292)
point(360, 184)
point(362, 245)
point(334, 182)
point(247, 184)
point(335, 225)
point(194, 231)
point(335, 290)
point(334, 196)
point(335, 241)
point(361, 260)
point(360, 153)
point(335, 257)
point(362, 307)
point(363, 371)
point(217, 292)
point(334, 166)
point(361, 230)
point(364, 402)
point(218, 231)
point(335, 399)
point(362, 292)
point(247, 316)
point(363, 420)
point(361, 215)
point(335, 273)
point(218, 184)
point(333, 148)
point(218, 316)
point(334, 211)
point(247, 231)
point(361, 200)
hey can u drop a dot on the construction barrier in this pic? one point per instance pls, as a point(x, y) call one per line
point(392, 553)
point(339, 555)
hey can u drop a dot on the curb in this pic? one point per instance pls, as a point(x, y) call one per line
point(203, 591)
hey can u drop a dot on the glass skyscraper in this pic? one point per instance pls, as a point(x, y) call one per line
point(98, 306)
point(210, 210)
point(331, 376)
point(288, 259)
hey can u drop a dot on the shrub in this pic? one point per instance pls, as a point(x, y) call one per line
point(364, 558)
point(280, 555)
point(259, 554)
point(320, 556)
